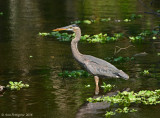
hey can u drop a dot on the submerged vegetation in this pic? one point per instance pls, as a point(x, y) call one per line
point(74, 74)
point(16, 85)
point(1, 13)
point(119, 59)
point(127, 99)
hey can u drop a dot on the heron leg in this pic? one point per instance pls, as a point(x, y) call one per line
point(96, 78)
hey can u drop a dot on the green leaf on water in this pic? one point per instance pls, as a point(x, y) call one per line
point(154, 37)
point(16, 85)
point(87, 21)
point(1, 13)
point(158, 11)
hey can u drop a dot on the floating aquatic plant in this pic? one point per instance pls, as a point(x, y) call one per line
point(119, 110)
point(84, 21)
point(1, 13)
point(74, 74)
point(109, 114)
point(127, 20)
point(146, 72)
point(158, 11)
point(154, 34)
point(136, 39)
point(107, 87)
point(105, 19)
point(125, 110)
point(91, 21)
point(17, 85)
point(100, 38)
point(76, 22)
point(126, 99)
point(87, 21)
point(132, 17)
point(87, 86)
point(44, 34)
point(154, 37)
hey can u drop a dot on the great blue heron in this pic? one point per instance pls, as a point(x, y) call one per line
point(97, 67)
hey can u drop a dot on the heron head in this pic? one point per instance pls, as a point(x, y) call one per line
point(67, 28)
point(122, 74)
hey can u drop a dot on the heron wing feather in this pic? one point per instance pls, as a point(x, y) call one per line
point(98, 66)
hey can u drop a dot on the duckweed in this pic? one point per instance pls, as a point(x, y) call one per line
point(16, 85)
point(74, 74)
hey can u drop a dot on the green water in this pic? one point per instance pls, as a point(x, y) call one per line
point(50, 96)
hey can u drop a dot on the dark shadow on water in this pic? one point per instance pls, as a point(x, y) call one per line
point(93, 110)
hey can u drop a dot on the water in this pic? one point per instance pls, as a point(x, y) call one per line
point(50, 96)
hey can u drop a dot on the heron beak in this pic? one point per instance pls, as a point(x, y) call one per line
point(60, 29)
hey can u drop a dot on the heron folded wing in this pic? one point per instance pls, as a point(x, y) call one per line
point(99, 61)
point(100, 70)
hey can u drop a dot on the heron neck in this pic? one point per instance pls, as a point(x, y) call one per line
point(74, 46)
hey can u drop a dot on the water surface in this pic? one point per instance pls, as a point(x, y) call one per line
point(50, 96)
